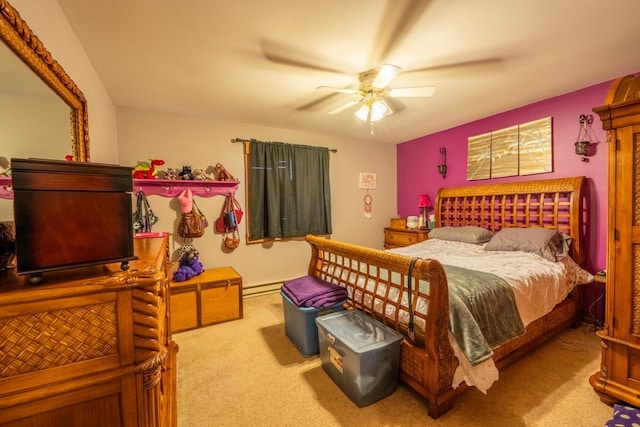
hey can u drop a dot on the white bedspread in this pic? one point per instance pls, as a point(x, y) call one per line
point(538, 285)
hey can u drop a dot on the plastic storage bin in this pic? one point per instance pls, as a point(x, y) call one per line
point(300, 324)
point(360, 354)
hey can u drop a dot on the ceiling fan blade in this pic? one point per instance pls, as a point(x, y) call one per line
point(344, 107)
point(318, 103)
point(281, 53)
point(412, 92)
point(337, 89)
point(489, 63)
point(385, 75)
point(399, 17)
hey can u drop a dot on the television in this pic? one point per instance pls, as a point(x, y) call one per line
point(70, 215)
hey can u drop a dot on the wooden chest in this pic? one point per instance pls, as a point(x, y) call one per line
point(214, 296)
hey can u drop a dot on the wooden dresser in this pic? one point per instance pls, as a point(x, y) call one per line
point(398, 237)
point(89, 346)
point(619, 375)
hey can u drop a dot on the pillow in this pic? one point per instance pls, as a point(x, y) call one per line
point(549, 244)
point(466, 234)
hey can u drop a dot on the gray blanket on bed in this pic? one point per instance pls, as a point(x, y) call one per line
point(482, 312)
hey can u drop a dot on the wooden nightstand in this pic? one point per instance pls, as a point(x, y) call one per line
point(398, 237)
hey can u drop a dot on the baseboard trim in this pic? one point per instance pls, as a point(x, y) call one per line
point(263, 289)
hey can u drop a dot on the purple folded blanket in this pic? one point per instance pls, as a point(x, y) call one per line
point(309, 291)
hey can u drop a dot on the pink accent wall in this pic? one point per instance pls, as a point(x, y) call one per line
point(418, 159)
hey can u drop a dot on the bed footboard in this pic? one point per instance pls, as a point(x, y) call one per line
point(377, 283)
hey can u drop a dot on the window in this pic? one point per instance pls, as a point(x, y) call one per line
point(288, 191)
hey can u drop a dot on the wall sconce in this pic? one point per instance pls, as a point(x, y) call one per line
point(442, 166)
point(583, 142)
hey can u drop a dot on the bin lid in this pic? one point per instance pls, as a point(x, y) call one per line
point(358, 330)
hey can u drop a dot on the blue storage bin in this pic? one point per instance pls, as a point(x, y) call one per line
point(300, 324)
point(360, 354)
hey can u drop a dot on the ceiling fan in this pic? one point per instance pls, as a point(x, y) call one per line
point(373, 90)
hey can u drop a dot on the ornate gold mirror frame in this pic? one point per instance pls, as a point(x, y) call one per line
point(18, 36)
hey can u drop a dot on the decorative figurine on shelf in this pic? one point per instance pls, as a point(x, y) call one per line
point(170, 173)
point(221, 174)
point(201, 175)
point(69, 158)
point(185, 173)
point(147, 170)
point(190, 265)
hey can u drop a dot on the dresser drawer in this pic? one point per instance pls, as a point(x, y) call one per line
point(395, 237)
point(400, 238)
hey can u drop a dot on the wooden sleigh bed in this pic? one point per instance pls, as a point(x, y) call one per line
point(376, 280)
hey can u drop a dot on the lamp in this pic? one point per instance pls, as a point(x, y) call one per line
point(583, 142)
point(424, 204)
point(442, 167)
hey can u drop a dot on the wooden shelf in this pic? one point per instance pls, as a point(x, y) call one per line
point(159, 187)
point(173, 187)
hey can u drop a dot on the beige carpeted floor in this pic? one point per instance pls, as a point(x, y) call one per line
point(247, 373)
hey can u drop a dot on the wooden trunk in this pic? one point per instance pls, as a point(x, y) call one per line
point(619, 375)
point(89, 347)
point(212, 297)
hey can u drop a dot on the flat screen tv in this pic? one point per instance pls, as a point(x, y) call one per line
point(71, 214)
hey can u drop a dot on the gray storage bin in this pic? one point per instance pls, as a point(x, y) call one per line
point(360, 354)
point(300, 324)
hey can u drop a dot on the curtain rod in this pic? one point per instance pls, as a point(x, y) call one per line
point(235, 140)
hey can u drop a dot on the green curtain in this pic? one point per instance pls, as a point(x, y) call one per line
point(289, 191)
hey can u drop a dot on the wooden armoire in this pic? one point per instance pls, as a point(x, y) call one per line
point(619, 375)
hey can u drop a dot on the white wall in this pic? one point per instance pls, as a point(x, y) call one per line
point(203, 142)
point(48, 22)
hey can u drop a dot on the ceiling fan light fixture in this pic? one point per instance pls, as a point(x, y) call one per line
point(378, 110)
point(363, 113)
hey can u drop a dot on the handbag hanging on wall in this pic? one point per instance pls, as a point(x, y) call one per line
point(230, 216)
point(143, 217)
point(194, 222)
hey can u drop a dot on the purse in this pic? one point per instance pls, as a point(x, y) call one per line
point(192, 224)
point(230, 216)
point(143, 217)
point(232, 240)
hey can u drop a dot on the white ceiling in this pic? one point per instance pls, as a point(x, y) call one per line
point(259, 61)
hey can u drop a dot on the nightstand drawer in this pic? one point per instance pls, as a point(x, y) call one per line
point(395, 237)
point(400, 238)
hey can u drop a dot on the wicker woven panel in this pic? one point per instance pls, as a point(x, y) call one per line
point(412, 364)
point(377, 290)
point(46, 340)
point(534, 330)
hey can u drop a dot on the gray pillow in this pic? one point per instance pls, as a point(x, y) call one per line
point(549, 244)
point(466, 234)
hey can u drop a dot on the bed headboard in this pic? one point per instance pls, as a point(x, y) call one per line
point(550, 203)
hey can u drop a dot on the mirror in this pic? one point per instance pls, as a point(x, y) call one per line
point(37, 61)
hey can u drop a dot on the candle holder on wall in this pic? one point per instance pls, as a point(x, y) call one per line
point(583, 142)
point(442, 167)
